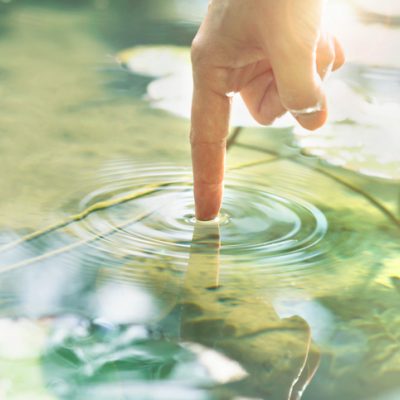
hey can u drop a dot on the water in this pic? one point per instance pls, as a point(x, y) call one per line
point(108, 286)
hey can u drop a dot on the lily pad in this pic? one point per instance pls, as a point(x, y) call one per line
point(155, 61)
point(173, 87)
point(361, 134)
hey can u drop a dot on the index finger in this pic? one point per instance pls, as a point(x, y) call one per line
point(209, 131)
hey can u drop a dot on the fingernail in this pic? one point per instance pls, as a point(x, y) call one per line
point(307, 111)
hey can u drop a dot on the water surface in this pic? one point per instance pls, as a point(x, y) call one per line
point(108, 287)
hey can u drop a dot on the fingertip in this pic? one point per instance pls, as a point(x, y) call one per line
point(208, 199)
point(313, 121)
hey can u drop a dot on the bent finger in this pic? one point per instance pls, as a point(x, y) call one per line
point(300, 86)
point(330, 55)
point(325, 55)
point(262, 99)
point(340, 57)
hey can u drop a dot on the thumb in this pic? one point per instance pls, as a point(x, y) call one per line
point(299, 85)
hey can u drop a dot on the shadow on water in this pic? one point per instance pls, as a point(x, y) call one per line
point(121, 23)
point(46, 4)
point(4, 18)
point(124, 23)
point(128, 23)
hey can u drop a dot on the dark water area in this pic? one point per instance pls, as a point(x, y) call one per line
point(109, 288)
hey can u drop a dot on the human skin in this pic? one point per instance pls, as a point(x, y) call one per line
point(275, 53)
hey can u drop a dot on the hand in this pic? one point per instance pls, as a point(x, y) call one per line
point(276, 54)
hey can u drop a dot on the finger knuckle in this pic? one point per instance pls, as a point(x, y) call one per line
point(198, 51)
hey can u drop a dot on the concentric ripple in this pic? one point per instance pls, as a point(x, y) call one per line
point(156, 222)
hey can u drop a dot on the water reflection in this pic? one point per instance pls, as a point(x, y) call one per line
point(276, 357)
point(105, 306)
point(110, 292)
point(205, 340)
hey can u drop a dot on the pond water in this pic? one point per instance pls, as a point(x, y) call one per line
point(108, 287)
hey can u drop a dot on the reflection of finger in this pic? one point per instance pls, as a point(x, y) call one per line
point(244, 328)
point(201, 280)
point(203, 265)
point(262, 99)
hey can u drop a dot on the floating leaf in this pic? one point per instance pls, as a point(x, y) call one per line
point(360, 136)
point(173, 88)
point(156, 61)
